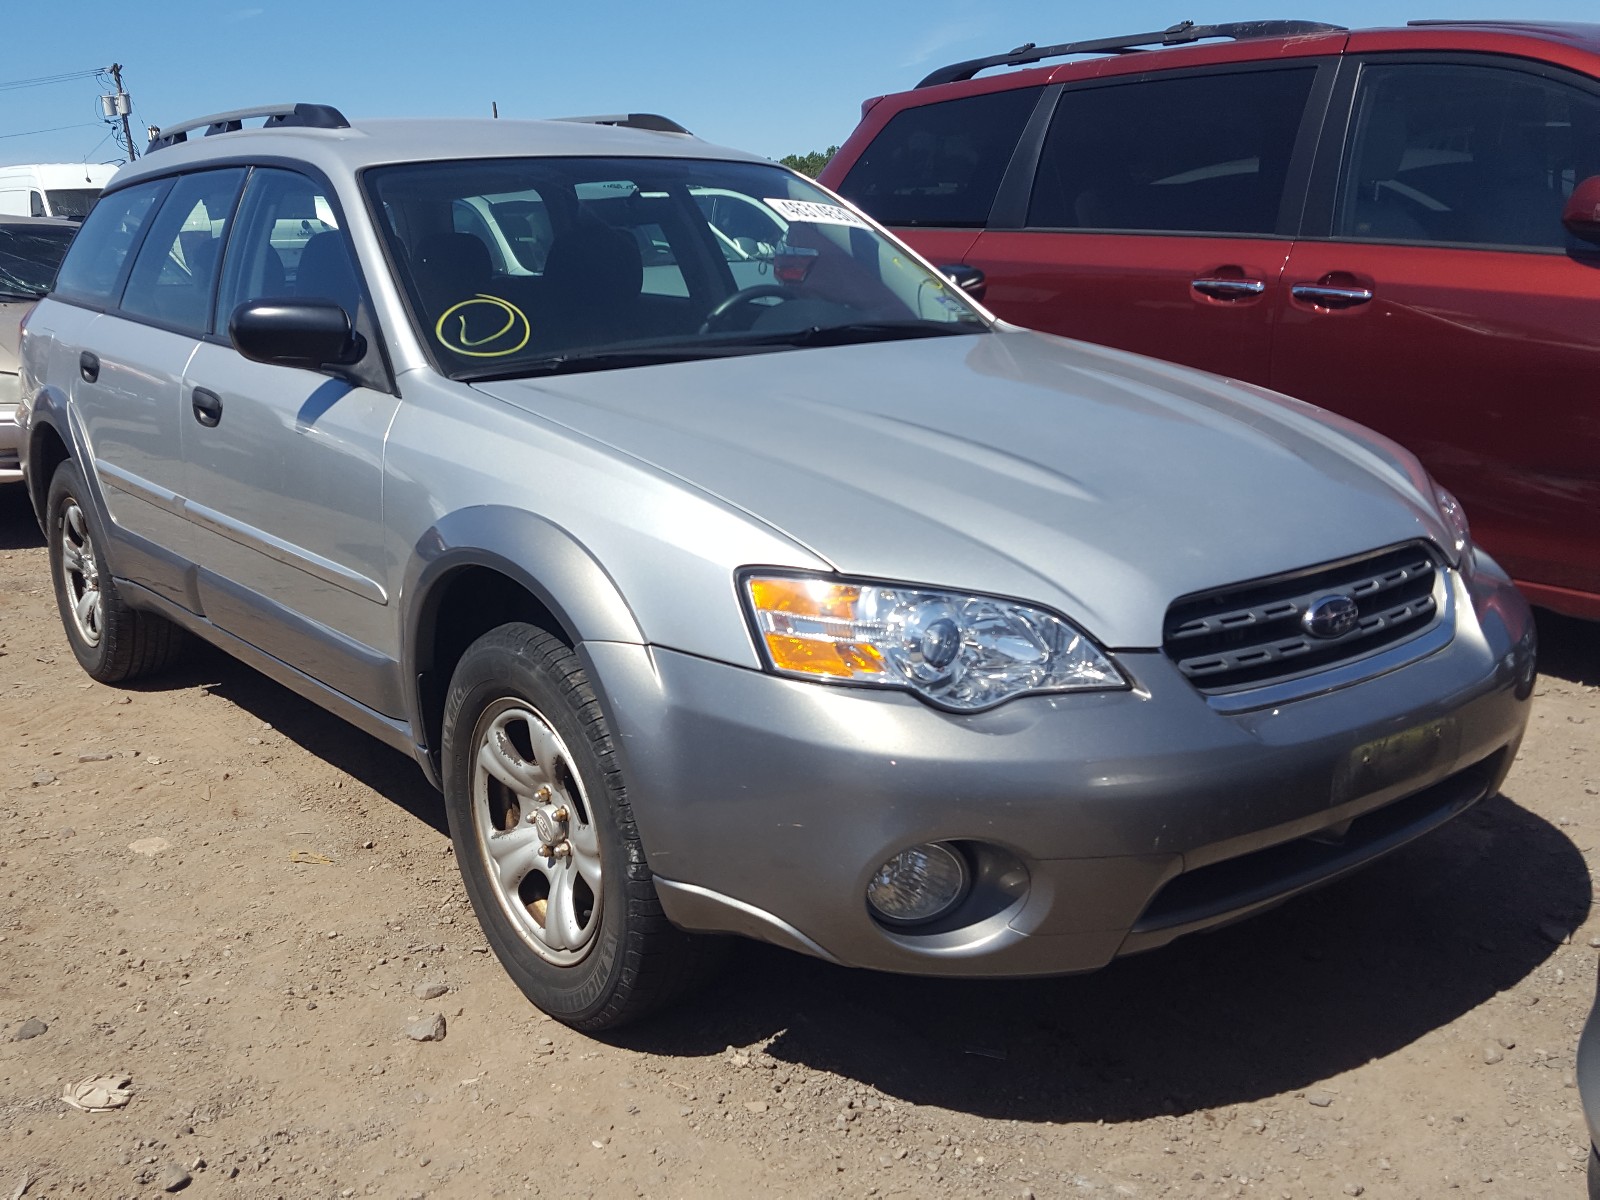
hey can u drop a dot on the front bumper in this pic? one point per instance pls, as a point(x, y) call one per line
point(1098, 824)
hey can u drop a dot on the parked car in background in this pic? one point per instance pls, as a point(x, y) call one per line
point(52, 189)
point(30, 251)
point(1399, 225)
point(729, 570)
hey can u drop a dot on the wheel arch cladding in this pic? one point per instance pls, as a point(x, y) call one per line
point(48, 447)
point(481, 567)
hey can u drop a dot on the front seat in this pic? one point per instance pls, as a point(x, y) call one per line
point(325, 272)
point(592, 278)
point(449, 268)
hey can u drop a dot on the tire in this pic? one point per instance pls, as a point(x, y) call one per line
point(545, 839)
point(112, 642)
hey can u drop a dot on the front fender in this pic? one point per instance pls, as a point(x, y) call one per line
point(536, 554)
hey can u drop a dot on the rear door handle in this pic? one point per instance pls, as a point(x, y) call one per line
point(207, 407)
point(1324, 296)
point(88, 367)
point(1228, 289)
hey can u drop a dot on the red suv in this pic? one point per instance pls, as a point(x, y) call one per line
point(1400, 225)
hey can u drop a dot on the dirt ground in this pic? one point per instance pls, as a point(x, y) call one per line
point(1406, 1033)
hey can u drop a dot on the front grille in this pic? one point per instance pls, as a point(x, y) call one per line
point(1251, 634)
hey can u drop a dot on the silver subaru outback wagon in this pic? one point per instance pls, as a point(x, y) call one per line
point(730, 569)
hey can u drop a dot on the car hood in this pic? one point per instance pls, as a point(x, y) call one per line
point(1099, 483)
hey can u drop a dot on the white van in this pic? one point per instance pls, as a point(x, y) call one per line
point(52, 189)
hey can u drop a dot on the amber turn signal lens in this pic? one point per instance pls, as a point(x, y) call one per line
point(809, 627)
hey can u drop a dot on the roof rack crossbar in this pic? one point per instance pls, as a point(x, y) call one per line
point(1180, 34)
point(652, 121)
point(306, 116)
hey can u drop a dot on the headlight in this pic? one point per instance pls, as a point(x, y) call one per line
point(957, 651)
point(1455, 521)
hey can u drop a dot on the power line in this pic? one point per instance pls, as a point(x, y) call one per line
point(52, 129)
point(42, 80)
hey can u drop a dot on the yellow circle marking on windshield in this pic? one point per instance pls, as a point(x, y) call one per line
point(460, 343)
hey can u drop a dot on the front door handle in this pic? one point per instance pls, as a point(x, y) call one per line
point(1324, 296)
point(88, 367)
point(207, 407)
point(1228, 289)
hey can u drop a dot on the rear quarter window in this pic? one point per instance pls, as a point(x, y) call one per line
point(93, 270)
point(941, 164)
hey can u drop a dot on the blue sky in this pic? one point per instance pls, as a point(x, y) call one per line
point(764, 76)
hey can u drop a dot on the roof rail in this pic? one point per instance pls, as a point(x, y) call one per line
point(652, 121)
point(307, 116)
point(1180, 34)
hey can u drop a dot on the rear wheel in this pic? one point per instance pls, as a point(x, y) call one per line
point(545, 839)
point(112, 642)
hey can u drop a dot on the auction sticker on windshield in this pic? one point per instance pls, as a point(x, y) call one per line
point(816, 214)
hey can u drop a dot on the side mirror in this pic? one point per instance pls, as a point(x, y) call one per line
point(968, 278)
point(1581, 216)
point(312, 334)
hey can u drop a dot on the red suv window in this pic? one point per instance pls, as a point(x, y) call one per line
point(1199, 153)
point(1469, 154)
point(941, 164)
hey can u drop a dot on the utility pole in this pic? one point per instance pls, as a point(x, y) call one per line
point(122, 106)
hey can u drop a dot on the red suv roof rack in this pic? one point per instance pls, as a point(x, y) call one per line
point(1180, 34)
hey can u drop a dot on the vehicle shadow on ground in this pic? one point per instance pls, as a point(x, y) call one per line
point(389, 773)
point(1269, 1006)
point(1569, 648)
point(18, 529)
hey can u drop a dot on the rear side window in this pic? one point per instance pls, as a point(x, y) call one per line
point(93, 266)
point(175, 273)
point(941, 164)
point(1185, 154)
point(1473, 155)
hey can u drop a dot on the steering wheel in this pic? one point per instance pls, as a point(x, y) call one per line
point(717, 318)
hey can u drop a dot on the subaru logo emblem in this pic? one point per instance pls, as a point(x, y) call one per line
point(1331, 617)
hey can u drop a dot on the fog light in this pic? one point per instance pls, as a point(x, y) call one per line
point(918, 884)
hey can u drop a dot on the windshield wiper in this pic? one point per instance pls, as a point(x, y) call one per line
point(578, 361)
point(854, 333)
point(9, 294)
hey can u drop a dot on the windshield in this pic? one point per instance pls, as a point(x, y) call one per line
point(72, 202)
point(29, 256)
point(525, 266)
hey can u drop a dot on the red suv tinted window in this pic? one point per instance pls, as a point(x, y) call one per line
point(1473, 155)
point(1198, 153)
point(940, 164)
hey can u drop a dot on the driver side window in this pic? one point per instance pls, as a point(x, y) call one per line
point(288, 245)
point(1469, 155)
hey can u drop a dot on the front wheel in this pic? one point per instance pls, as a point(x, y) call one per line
point(545, 839)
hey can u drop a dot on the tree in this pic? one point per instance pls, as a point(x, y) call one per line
point(809, 164)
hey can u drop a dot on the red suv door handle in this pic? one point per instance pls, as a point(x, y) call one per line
point(1228, 289)
point(1325, 296)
